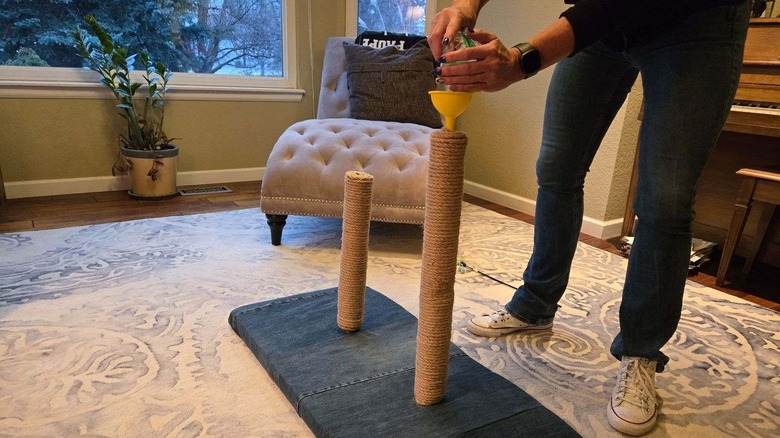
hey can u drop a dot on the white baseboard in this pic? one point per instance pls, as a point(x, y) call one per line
point(590, 226)
point(601, 229)
point(67, 186)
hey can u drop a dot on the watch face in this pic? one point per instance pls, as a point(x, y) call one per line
point(531, 62)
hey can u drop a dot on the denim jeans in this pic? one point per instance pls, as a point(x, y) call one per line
point(689, 78)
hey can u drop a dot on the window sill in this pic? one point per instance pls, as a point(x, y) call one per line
point(61, 83)
point(64, 90)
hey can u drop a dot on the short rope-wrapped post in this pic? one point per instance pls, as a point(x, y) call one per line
point(444, 196)
point(354, 250)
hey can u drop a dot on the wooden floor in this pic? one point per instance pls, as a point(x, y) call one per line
point(762, 286)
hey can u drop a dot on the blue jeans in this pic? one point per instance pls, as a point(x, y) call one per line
point(689, 77)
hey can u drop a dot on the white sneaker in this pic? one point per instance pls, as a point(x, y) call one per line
point(499, 323)
point(632, 408)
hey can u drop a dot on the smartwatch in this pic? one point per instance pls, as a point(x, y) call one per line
point(530, 61)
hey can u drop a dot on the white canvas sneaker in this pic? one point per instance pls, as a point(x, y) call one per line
point(632, 408)
point(500, 322)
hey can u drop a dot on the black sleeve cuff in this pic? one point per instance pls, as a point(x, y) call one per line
point(590, 22)
point(624, 20)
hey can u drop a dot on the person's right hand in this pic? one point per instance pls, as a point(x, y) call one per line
point(445, 26)
point(490, 66)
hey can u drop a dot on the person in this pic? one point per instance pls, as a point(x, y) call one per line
point(689, 54)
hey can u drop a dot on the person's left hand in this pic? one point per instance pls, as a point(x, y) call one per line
point(494, 66)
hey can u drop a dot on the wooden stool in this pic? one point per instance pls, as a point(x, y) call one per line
point(763, 186)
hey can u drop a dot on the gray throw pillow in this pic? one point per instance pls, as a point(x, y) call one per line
point(391, 85)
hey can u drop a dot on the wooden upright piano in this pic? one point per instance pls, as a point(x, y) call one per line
point(751, 138)
point(756, 108)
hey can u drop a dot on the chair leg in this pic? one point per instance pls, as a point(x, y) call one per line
point(766, 212)
point(741, 211)
point(276, 222)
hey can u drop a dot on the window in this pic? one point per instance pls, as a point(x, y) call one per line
point(399, 16)
point(235, 48)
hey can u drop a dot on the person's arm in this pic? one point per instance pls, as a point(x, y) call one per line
point(497, 66)
point(554, 42)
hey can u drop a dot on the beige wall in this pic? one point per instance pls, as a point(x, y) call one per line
point(43, 139)
point(504, 128)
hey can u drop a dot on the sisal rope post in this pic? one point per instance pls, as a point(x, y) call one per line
point(444, 194)
point(354, 250)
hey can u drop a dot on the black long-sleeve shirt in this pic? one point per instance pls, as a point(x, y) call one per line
point(624, 23)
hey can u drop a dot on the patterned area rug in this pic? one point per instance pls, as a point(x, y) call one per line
point(121, 329)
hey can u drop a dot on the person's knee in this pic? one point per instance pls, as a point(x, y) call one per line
point(554, 174)
point(666, 208)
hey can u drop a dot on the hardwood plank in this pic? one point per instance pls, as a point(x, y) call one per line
point(248, 203)
point(16, 226)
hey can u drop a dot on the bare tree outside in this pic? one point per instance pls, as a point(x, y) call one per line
point(399, 16)
point(229, 36)
point(239, 37)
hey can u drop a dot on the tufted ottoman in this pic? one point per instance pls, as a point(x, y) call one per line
point(305, 171)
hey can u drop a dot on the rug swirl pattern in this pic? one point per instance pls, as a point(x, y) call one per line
point(121, 329)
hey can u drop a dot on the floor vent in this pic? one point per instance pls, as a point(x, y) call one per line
point(204, 191)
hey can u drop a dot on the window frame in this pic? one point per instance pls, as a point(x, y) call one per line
point(352, 15)
point(74, 83)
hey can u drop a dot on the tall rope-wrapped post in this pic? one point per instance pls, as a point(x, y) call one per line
point(444, 195)
point(354, 250)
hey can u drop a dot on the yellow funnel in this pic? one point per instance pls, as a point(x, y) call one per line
point(450, 104)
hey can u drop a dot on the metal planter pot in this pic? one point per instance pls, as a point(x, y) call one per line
point(152, 173)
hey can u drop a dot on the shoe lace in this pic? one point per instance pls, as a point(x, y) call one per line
point(636, 384)
point(500, 315)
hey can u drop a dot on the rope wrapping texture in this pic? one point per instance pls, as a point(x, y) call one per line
point(354, 250)
point(444, 195)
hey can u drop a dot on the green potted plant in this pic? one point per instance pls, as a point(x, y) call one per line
point(146, 152)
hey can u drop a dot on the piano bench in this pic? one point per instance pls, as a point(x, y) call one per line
point(760, 188)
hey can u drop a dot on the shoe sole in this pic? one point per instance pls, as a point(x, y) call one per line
point(496, 332)
point(629, 427)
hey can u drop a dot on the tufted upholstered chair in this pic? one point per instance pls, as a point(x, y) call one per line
point(306, 167)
